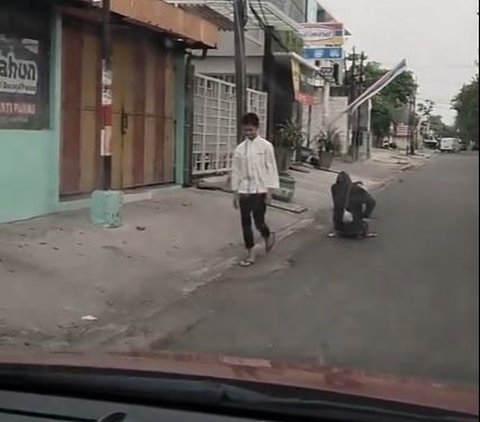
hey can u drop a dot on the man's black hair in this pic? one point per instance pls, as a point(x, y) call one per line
point(250, 119)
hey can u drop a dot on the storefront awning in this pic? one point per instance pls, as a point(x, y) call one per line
point(163, 17)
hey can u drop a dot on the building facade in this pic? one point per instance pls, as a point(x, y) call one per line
point(50, 99)
point(30, 89)
point(324, 39)
point(269, 71)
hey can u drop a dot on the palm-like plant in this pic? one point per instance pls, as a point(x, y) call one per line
point(289, 135)
point(329, 140)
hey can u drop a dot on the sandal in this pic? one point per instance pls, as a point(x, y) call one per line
point(247, 263)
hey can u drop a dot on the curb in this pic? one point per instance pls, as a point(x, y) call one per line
point(156, 327)
point(160, 327)
point(147, 332)
point(117, 334)
point(413, 166)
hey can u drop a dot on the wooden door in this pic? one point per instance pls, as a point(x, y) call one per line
point(143, 114)
point(80, 143)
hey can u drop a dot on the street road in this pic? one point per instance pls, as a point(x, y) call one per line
point(404, 303)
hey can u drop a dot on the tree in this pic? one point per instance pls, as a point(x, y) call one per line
point(425, 109)
point(466, 105)
point(387, 103)
point(439, 129)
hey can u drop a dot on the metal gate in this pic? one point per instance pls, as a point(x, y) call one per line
point(214, 123)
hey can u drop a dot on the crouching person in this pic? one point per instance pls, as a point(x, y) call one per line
point(352, 204)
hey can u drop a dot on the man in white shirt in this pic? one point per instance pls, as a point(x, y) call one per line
point(254, 176)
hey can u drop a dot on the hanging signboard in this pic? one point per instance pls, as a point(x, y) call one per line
point(323, 34)
point(328, 73)
point(323, 53)
point(296, 76)
point(305, 82)
point(24, 71)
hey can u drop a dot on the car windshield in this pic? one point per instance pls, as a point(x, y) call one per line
point(275, 183)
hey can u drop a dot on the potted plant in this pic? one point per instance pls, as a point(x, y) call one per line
point(329, 143)
point(289, 136)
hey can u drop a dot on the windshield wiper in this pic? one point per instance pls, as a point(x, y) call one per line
point(111, 417)
point(156, 389)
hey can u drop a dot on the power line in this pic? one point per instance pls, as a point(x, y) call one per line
point(262, 10)
point(265, 27)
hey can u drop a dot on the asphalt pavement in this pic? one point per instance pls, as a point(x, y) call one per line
point(404, 303)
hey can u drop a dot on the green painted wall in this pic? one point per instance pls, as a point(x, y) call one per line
point(180, 139)
point(29, 159)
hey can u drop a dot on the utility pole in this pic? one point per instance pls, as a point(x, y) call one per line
point(239, 22)
point(106, 96)
point(411, 120)
point(359, 85)
point(269, 80)
point(356, 84)
point(353, 97)
point(106, 204)
point(309, 121)
point(309, 125)
point(411, 125)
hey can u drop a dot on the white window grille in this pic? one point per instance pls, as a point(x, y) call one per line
point(214, 123)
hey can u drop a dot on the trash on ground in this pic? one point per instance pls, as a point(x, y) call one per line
point(89, 318)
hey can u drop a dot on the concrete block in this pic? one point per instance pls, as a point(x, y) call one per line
point(106, 208)
point(287, 189)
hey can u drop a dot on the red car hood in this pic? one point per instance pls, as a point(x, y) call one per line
point(344, 381)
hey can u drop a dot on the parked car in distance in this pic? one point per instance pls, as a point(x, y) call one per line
point(388, 143)
point(449, 145)
point(431, 143)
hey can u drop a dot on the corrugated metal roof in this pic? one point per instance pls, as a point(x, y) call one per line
point(270, 14)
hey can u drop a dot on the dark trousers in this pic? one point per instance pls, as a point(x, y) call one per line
point(253, 205)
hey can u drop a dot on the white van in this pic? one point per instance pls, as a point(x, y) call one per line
point(449, 145)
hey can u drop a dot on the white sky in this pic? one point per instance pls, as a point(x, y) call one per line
point(439, 39)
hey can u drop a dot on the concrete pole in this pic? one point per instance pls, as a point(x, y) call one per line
point(106, 131)
point(106, 205)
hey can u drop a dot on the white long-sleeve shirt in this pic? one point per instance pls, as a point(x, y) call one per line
point(254, 168)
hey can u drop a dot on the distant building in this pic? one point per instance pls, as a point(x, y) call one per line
point(402, 130)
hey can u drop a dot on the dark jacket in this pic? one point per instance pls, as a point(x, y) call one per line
point(360, 203)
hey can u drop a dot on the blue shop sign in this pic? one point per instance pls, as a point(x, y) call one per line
point(323, 53)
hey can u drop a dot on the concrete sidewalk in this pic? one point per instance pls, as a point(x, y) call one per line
point(60, 276)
